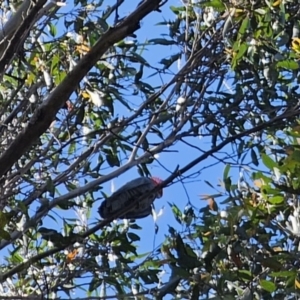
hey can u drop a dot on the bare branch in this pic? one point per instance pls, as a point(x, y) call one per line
point(84, 189)
point(45, 114)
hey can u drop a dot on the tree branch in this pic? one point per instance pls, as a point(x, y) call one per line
point(47, 111)
point(177, 172)
point(12, 41)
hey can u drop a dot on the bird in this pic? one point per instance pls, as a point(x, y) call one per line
point(134, 189)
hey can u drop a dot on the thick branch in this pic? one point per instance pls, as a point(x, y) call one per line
point(14, 22)
point(46, 113)
point(12, 41)
point(176, 173)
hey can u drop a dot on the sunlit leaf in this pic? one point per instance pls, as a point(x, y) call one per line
point(268, 162)
point(288, 64)
point(267, 285)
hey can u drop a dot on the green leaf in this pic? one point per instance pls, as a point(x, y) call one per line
point(54, 63)
point(162, 42)
point(260, 175)
point(112, 159)
point(241, 51)
point(283, 274)
point(17, 258)
point(296, 156)
point(254, 157)
point(145, 87)
point(50, 187)
point(261, 11)
point(72, 148)
point(95, 283)
point(180, 272)
point(208, 183)
point(80, 115)
point(245, 274)
point(288, 64)
point(167, 62)
point(135, 57)
point(226, 171)
point(105, 64)
point(227, 183)
point(52, 29)
point(244, 26)
point(216, 4)
point(268, 162)
point(177, 213)
point(133, 237)
point(276, 200)
point(269, 286)
point(176, 10)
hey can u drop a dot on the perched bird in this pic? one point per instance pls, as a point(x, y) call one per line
point(132, 190)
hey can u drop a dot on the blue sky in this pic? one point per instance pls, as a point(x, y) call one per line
point(177, 193)
point(167, 162)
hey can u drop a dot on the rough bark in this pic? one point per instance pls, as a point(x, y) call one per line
point(47, 111)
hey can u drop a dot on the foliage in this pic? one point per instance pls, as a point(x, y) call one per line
point(82, 102)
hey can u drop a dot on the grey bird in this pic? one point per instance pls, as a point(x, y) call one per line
point(132, 190)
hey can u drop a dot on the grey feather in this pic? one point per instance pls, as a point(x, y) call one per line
point(128, 193)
